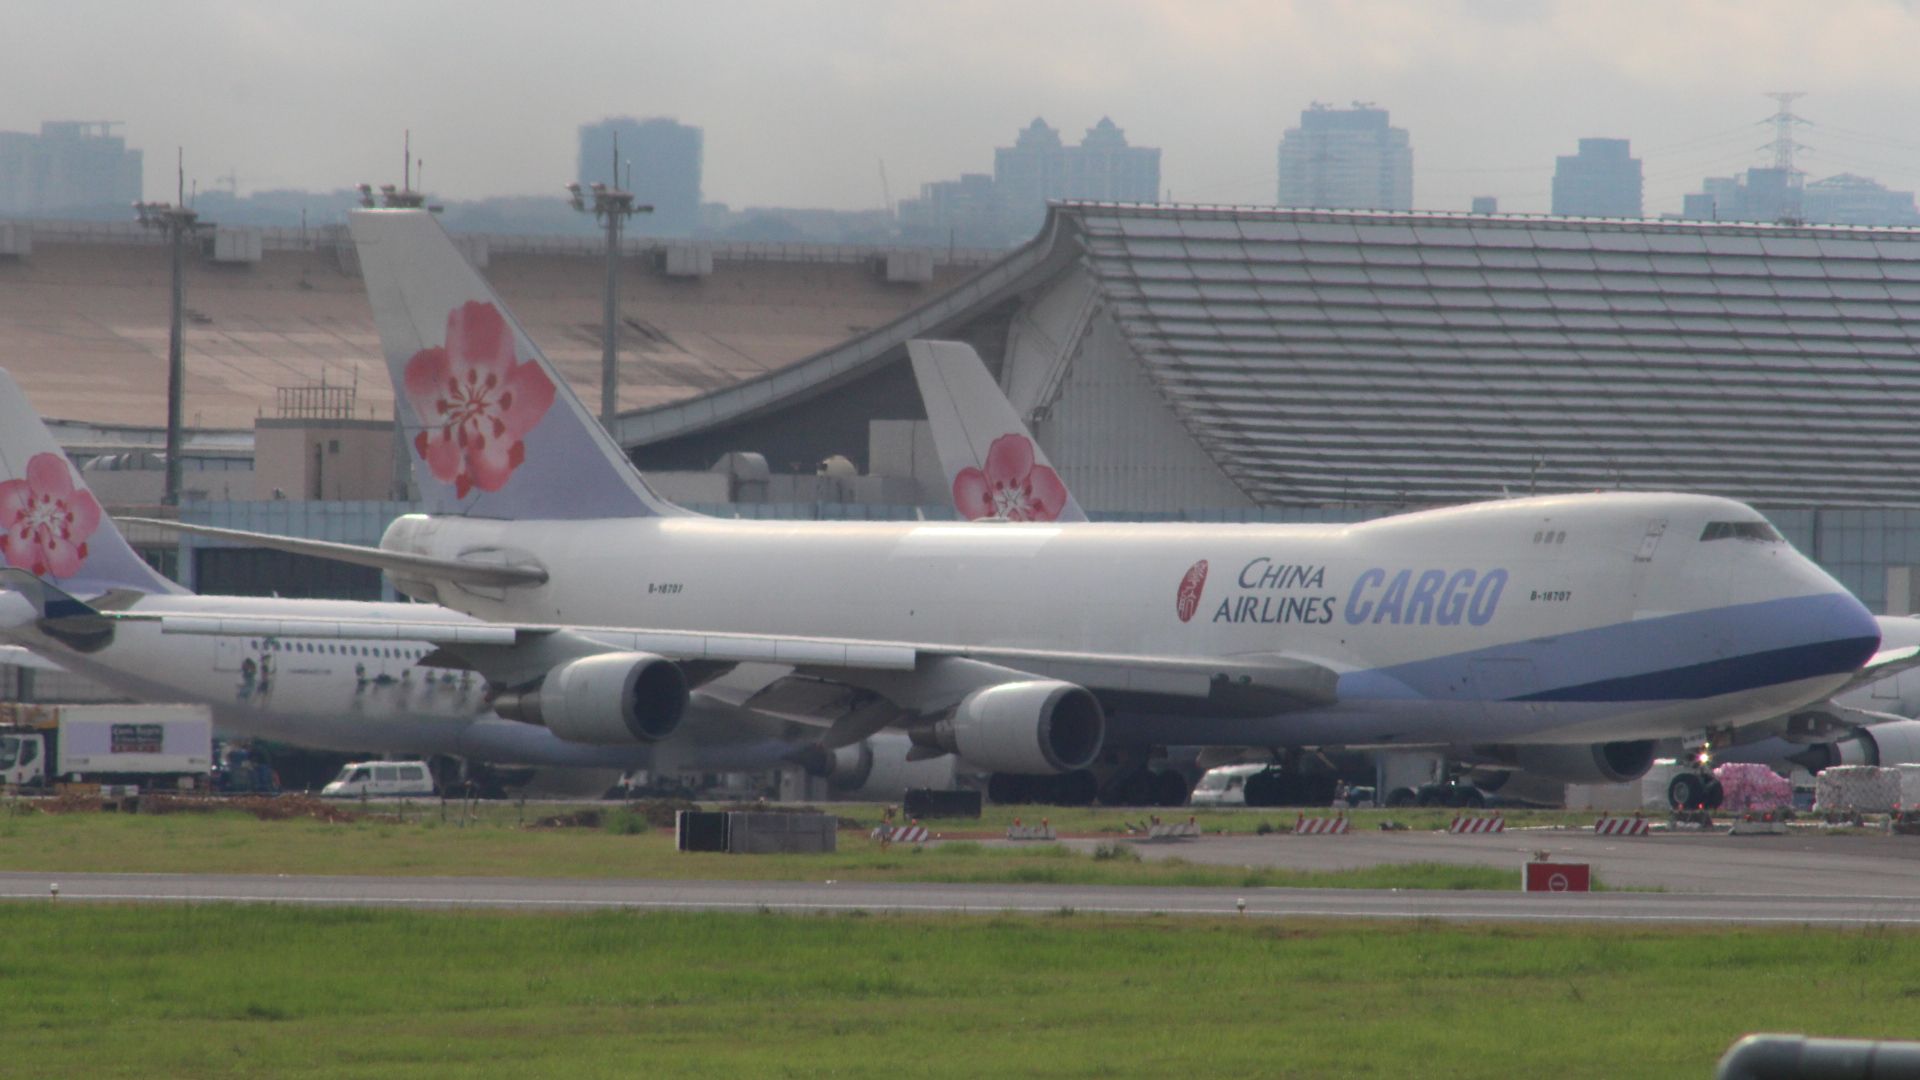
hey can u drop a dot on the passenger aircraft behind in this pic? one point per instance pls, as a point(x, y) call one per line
point(1568, 630)
point(378, 690)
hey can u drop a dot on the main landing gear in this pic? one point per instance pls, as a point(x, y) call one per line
point(1695, 791)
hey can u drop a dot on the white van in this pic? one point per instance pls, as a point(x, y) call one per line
point(380, 780)
point(1225, 786)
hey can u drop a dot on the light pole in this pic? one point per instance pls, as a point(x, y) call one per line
point(612, 206)
point(179, 223)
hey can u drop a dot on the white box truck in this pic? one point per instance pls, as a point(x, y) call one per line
point(151, 746)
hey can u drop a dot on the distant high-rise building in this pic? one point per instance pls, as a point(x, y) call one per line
point(665, 157)
point(1602, 180)
point(72, 166)
point(1039, 167)
point(1346, 159)
point(1008, 206)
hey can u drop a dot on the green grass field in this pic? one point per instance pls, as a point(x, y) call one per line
point(222, 991)
point(235, 843)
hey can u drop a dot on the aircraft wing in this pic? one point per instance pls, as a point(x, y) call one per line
point(1882, 665)
point(459, 571)
point(914, 675)
point(19, 656)
point(1899, 650)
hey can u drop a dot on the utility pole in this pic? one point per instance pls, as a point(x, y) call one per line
point(612, 207)
point(180, 224)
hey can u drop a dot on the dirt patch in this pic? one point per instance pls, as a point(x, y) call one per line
point(579, 819)
point(264, 807)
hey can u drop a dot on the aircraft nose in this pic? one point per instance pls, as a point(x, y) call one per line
point(1847, 630)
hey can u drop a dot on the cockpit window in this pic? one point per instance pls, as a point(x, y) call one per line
point(1758, 531)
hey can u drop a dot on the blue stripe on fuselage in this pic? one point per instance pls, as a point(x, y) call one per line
point(1688, 656)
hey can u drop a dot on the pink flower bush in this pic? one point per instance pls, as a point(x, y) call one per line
point(47, 520)
point(1012, 486)
point(477, 400)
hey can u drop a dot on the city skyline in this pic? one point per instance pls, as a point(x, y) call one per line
point(803, 104)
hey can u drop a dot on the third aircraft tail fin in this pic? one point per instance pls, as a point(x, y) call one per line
point(993, 466)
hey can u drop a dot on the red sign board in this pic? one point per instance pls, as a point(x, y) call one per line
point(1556, 877)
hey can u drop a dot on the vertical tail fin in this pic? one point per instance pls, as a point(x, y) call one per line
point(50, 524)
point(493, 428)
point(993, 466)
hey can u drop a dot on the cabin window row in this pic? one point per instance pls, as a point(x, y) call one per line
point(381, 652)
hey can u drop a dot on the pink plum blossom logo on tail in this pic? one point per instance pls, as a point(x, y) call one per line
point(47, 519)
point(477, 401)
point(1012, 486)
point(1187, 600)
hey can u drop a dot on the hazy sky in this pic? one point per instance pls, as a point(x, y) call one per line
point(803, 101)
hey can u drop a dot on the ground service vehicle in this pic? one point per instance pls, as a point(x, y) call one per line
point(153, 746)
point(380, 780)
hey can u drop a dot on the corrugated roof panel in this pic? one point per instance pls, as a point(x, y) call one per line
point(1768, 363)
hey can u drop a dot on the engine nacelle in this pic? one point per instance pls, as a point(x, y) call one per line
point(1042, 726)
point(1598, 763)
point(877, 767)
point(613, 699)
point(1894, 742)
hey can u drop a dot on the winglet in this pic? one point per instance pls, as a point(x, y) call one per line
point(994, 468)
point(494, 429)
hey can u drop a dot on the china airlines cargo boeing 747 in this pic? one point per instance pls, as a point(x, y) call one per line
point(1568, 630)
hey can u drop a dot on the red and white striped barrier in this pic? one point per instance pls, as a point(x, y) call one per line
point(902, 834)
point(1468, 823)
point(1620, 826)
point(1321, 826)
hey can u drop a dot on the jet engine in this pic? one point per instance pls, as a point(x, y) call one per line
point(877, 767)
point(1599, 763)
point(1041, 726)
point(612, 699)
point(1894, 742)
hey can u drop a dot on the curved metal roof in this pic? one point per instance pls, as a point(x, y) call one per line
point(1335, 356)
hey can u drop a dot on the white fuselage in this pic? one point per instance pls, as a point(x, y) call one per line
point(357, 695)
point(321, 693)
point(1556, 619)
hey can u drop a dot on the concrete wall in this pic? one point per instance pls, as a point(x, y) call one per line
point(322, 459)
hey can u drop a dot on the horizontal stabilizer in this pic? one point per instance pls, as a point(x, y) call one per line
point(458, 571)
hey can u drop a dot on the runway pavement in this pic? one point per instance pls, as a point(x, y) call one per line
point(1801, 863)
point(1851, 908)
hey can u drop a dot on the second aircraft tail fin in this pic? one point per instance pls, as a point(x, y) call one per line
point(493, 428)
point(993, 466)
